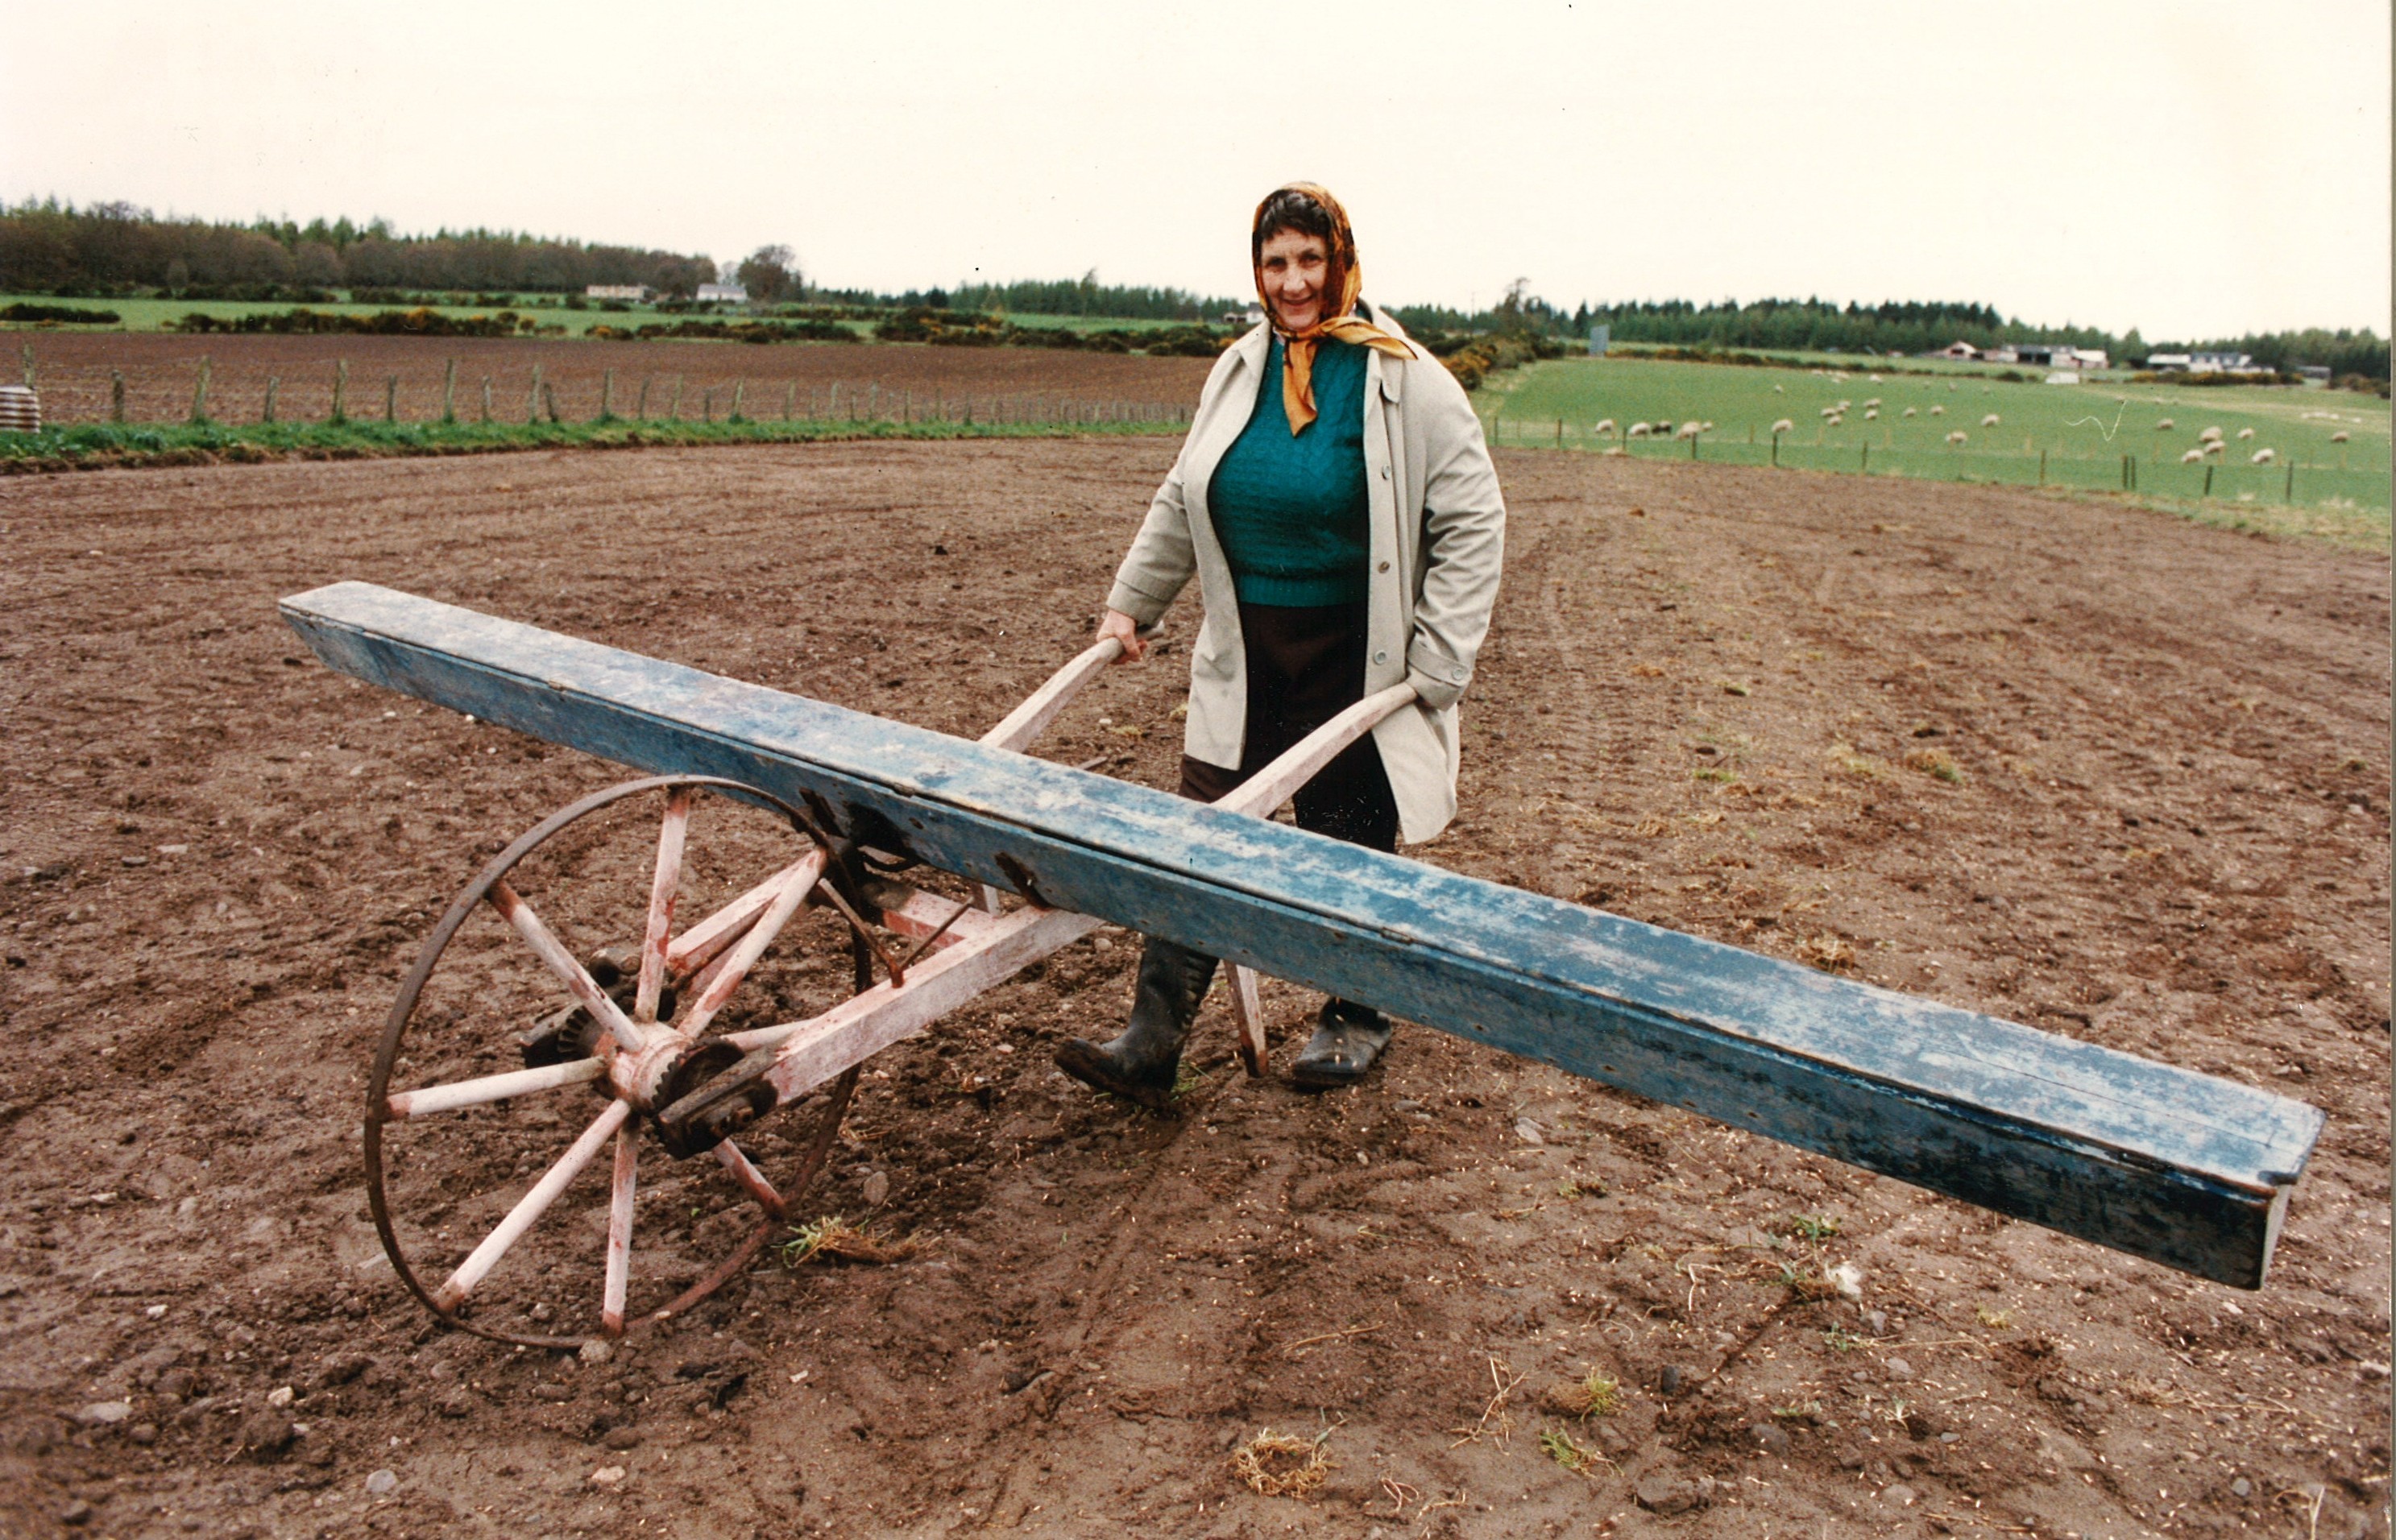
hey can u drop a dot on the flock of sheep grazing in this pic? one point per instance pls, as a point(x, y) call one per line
point(2210, 443)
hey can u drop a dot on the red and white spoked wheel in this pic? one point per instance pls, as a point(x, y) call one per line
point(530, 1043)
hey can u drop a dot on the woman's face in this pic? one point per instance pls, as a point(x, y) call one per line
point(1296, 269)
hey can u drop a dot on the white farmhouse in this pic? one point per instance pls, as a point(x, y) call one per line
point(726, 294)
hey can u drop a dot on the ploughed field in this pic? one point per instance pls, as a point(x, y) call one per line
point(162, 371)
point(2097, 769)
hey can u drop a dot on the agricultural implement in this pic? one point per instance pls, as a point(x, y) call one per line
point(2180, 1168)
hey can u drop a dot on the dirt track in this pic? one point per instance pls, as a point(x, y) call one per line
point(2169, 834)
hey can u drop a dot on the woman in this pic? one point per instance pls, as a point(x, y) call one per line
point(1336, 503)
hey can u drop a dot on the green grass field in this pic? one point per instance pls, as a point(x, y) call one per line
point(84, 446)
point(2065, 436)
point(149, 316)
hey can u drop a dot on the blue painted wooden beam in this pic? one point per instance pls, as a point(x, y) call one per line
point(2184, 1169)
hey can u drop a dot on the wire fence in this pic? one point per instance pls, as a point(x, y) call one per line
point(2349, 481)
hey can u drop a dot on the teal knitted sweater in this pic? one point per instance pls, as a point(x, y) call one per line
point(1291, 512)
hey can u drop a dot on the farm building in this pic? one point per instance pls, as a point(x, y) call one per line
point(1253, 316)
point(2206, 362)
point(1958, 349)
point(637, 294)
point(728, 294)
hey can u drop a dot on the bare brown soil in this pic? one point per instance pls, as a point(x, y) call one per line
point(1712, 702)
point(161, 371)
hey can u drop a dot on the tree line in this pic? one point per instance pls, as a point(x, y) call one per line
point(115, 248)
point(1906, 327)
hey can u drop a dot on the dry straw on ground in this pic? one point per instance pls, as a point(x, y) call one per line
point(1282, 1464)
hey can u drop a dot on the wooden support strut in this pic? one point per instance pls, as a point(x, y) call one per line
point(2182, 1168)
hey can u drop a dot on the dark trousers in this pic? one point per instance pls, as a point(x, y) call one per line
point(1305, 666)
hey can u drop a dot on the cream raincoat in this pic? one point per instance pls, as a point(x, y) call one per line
point(1438, 539)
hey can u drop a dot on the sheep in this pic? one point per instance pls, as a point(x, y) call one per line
point(1874, 401)
point(2245, 432)
point(1829, 411)
point(2339, 437)
point(1604, 426)
point(1640, 430)
point(1785, 425)
point(1780, 389)
point(2212, 446)
point(1708, 425)
point(2202, 433)
point(1938, 411)
point(2164, 426)
point(1871, 413)
point(2265, 457)
point(1690, 430)
point(1988, 421)
point(1908, 411)
point(1836, 422)
point(2192, 456)
point(1959, 437)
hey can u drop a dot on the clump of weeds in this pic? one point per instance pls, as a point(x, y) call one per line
point(833, 1239)
point(1282, 1464)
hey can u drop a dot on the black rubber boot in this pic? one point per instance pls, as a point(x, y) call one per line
point(1143, 1062)
point(1348, 1038)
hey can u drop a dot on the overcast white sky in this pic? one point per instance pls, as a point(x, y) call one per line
point(2191, 169)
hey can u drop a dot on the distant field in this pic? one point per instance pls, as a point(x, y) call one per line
point(2078, 434)
point(150, 315)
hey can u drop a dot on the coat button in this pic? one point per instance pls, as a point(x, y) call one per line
point(1382, 656)
point(1384, 566)
point(1385, 473)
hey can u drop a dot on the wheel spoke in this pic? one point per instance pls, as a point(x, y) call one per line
point(701, 944)
point(1248, 1011)
point(620, 1230)
point(750, 1178)
point(662, 886)
point(561, 962)
point(752, 946)
point(428, 1099)
point(529, 1208)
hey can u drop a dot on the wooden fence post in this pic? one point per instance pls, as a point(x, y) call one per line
point(549, 397)
point(2289, 495)
point(25, 356)
point(2208, 482)
point(1863, 465)
point(532, 397)
point(391, 398)
point(115, 395)
point(673, 408)
point(486, 398)
point(2042, 467)
point(200, 395)
point(273, 383)
point(740, 395)
point(642, 410)
point(790, 401)
point(340, 390)
point(449, 390)
point(607, 396)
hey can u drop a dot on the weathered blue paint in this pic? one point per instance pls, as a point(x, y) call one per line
point(2162, 1162)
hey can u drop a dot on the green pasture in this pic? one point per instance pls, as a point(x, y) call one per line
point(150, 315)
point(2072, 436)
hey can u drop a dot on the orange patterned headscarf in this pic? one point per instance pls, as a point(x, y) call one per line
point(1340, 319)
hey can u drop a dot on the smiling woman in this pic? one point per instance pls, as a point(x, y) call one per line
point(1336, 503)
